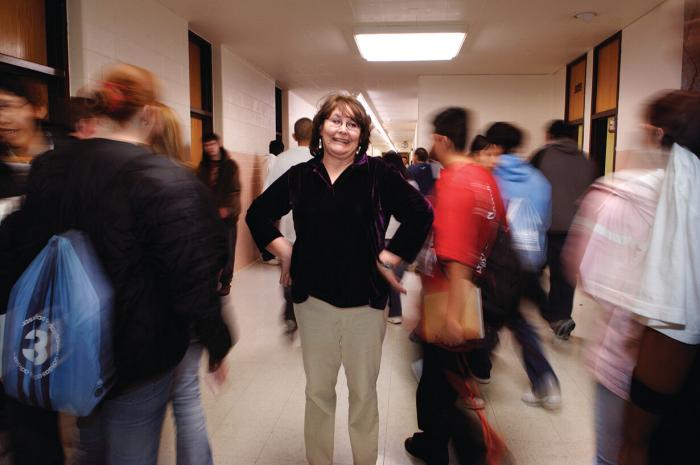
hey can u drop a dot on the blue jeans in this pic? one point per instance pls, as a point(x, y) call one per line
point(536, 364)
point(125, 430)
point(609, 419)
point(192, 440)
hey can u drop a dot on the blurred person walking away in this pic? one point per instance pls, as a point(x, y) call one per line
point(284, 161)
point(468, 215)
point(166, 137)
point(219, 172)
point(275, 147)
point(527, 197)
point(23, 137)
point(421, 172)
point(24, 132)
point(339, 268)
point(669, 301)
point(192, 440)
point(80, 118)
point(606, 248)
point(23, 110)
point(395, 161)
point(161, 244)
point(484, 153)
point(569, 172)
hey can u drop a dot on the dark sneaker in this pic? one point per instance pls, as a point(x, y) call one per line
point(290, 326)
point(415, 445)
point(563, 328)
point(225, 289)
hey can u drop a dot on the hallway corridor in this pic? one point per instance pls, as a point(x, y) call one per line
point(258, 417)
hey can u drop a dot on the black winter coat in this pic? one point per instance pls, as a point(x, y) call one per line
point(157, 234)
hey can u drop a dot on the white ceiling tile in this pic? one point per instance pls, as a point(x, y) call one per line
point(307, 45)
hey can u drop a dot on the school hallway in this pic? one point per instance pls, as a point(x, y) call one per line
point(258, 417)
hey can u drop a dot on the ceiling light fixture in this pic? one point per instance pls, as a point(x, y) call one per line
point(398, 43)
point(375, 121)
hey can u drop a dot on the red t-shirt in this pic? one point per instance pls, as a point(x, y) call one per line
point(468, 211)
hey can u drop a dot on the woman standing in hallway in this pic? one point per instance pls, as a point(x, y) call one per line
point(339, 269)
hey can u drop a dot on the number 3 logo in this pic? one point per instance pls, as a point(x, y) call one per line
point(39, 354)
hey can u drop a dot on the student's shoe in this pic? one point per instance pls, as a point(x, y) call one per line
point(272, 261)
point(417, 368)
point(416, 447)
point(414, 337)
point(290, 326)
point(472, 403)
point(563, 328)
point(395, 320)
point(481, 380)
point(549, 398)
point(225, 289)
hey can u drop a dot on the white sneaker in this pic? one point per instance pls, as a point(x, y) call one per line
point(550, 397)
point(472, 403)
point(395, 320)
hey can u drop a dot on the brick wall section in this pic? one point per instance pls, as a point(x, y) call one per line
point(252, 171)
point(145, 33)
point(248, 114)
point(140, 32)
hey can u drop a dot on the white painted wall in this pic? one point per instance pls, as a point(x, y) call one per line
point(528, 101)
point(651, 61)
point(140, 32)
point(245, 114)
point(296, 107)
point(559, 93)
point(588, 101)
point(248, 105)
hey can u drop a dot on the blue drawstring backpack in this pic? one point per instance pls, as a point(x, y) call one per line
point(527, 234)
point(57, 346)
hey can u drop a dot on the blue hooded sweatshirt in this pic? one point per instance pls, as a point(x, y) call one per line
point(519, 179)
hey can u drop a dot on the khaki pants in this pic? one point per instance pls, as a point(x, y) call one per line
point(331, 336)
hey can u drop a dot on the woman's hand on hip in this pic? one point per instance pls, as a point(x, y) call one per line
point(282, 249)
point(386, 262)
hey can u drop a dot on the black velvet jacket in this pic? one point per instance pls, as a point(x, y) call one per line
point(340, 228)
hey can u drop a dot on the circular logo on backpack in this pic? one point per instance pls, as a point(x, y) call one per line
point(41, 345)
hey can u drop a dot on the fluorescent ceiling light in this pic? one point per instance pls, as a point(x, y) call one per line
point(410, 46)
point(375, 121)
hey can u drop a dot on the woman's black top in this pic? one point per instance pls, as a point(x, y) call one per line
point(340, 228)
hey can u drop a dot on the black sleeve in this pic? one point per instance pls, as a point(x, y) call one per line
point(268, 208)
point(410, 208)
point(10, 269)
point(186, 244)
point(26, 231)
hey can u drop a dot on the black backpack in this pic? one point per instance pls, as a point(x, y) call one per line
point(501, 281)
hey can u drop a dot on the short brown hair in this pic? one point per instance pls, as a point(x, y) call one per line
point(671, 112)
point(349, 106)
point(303, 128)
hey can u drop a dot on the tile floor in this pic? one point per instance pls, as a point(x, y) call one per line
point(257, 418)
